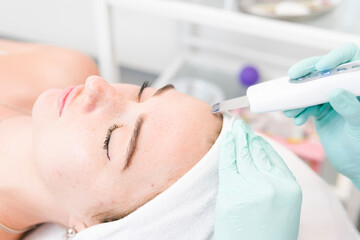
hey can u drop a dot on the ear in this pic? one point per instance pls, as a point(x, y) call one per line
point(77, 224)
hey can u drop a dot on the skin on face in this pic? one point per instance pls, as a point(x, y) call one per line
point(176, 132)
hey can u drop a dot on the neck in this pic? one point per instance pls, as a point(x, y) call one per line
point(24, 201)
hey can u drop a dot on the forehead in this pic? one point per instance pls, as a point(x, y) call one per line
point(176, 127)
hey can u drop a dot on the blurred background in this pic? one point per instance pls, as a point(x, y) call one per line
point(212, 49)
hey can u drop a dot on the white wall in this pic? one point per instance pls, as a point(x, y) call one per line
point(143, 42)
point(62, 22)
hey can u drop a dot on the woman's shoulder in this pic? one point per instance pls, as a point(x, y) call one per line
point(8, 113)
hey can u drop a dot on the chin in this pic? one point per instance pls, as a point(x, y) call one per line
point(46, 106)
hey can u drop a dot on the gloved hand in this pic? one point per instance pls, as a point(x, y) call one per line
point(258, 196)
point(338, 122)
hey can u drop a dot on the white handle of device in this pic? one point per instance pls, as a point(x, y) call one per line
point(282, 94)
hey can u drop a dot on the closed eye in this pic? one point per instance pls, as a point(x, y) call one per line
point(107, 139)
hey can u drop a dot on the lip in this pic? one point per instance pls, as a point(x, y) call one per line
point(64, 97)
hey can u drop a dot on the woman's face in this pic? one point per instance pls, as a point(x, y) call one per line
point(153, 141)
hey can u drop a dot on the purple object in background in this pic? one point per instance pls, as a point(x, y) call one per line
point(248, 76)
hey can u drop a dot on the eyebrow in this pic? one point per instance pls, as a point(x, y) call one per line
point(143, 86)
point(133, 141)
point(164, 89)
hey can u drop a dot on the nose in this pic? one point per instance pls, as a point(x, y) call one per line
point(97, 91)
point(95, 84)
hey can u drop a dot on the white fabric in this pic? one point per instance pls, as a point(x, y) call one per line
point(48, 231)
point(186, 209)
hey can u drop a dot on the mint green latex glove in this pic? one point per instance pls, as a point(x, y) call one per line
point(258, 196)
point(337, 122)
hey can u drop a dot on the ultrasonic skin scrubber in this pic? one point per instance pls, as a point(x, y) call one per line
point(285, 93)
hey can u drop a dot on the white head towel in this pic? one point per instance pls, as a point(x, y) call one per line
point(184, 211)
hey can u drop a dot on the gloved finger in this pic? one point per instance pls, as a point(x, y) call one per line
point(322, 110)
point(227, 160)
point(345, 53)
point(261, 161)
point(267, 159)
point(239, 126)
point(347, 105)
point(293, 112)
point(303, 67)
point(243, 134)
point(301, 118)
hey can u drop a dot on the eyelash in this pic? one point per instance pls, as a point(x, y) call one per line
point(115, 126)
point(107, 139)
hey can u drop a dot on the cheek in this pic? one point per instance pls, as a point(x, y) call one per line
point(62, 159)
point(54, 160)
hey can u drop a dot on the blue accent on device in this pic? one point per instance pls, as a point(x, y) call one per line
point(326, 73)
point(344, 68)
point(215, 108)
